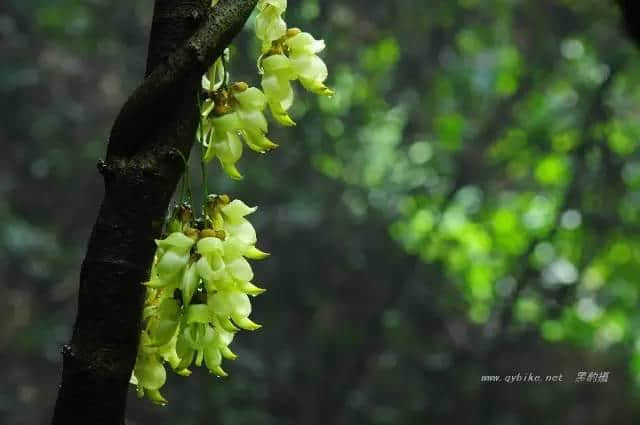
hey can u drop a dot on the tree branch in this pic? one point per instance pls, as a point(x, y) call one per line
point(220, 25)
point(141, 171)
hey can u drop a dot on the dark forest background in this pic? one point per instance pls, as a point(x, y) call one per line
point(467, 204)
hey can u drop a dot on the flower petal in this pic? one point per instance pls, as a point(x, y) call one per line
point(305, 43)
point(189, 284)
point(236, 210)
point(241, 229)
point(240, 269)
point(177, 240)
point(210, 246)
point(150, 373)
point(252, 98)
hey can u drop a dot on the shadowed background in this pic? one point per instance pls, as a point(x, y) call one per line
point(467, 204)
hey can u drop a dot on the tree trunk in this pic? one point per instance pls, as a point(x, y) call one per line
point(155, 127)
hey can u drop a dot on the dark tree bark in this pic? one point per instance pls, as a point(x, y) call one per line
point(142, 167)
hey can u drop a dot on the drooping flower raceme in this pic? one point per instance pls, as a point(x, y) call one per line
point(233, 116)
point(198, 296)
point(198, 293)
point(287, 54)
point(294, 58)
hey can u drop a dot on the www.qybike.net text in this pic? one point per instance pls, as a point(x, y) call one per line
point(527, 377)
point(591, 377)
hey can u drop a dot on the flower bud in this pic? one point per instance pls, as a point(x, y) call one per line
point(213, 359)
point(150, 373)
point(227, 353)
point(246, 323)
point(250, 289)
point(156, 397)
point(239, 86)
point(256, 254)
point(291, 32)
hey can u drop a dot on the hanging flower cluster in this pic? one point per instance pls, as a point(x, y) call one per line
point(287, 55)
point(230, 116)
point(234, 113)
point(198, 294)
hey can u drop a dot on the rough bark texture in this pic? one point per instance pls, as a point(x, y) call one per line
point(141, 170)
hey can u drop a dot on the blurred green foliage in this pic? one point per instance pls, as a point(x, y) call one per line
point(467, 204)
